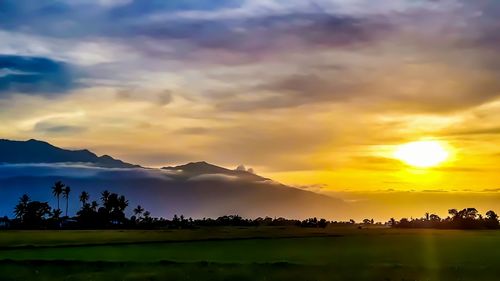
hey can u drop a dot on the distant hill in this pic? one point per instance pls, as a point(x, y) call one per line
point(34, 151)
point(203, 168)
point(197, 189)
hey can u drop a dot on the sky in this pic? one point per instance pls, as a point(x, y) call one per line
point(317, 94)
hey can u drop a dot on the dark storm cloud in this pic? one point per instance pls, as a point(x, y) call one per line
point(22, 74)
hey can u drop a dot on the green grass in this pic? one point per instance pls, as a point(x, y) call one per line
point(251, 254)
point(86, 237)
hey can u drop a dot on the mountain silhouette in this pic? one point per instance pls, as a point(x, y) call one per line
point(203, 168)
point(196, 189)
point(34, 151)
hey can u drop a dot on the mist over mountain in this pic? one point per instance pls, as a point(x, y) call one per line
point(197, 169)
point(197, 189)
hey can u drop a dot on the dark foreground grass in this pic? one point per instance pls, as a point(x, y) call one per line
point(109, 271)
point(252, 254)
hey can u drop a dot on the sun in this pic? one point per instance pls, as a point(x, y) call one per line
point(422, 154)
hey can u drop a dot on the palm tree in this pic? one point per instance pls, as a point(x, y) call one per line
point(57, 190)
point(25, 199)
point(105, 199)
point(138, 211)
point(66, 192)
point(56, 214)
point(21, 208)
point(84, 197)
point(122, 203)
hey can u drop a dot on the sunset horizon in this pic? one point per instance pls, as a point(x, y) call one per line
point(319, 95)
point(380, 204)
point(276, 140)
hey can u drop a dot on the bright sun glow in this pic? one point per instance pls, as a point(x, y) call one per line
point(422, 154)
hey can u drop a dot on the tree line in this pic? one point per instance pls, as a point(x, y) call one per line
point(109, 212)
point(468, 218)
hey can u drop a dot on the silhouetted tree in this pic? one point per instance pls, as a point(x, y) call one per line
point(36, 213)
point(22, 207)
point(434, 218)
point(453, 213)
point(56, 214)
point(84, 197)
point(138, 211)
point(491, 219)
point(94, 206)
point(122, 203)
point(57, 190)
point(114, 206)
point(31, 213)
point(491, 215)
point(468, 218)
point(147, 218)
point(105, 199)
point(66, 192)
point(368, 221)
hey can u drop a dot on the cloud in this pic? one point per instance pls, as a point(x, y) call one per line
point(31, 75)
point(165, 98)
point(376, 163)
point(136, 8)
point(242, 168)
point(213, 177)
point(313, 187)
point(243, 41)
point(160, 98)
point(158, 28)
point(491, 190)
point(280, 85)
point(54, 128)
point(292, 91)
point(75, 170)
point(486, 131)
point(193, 131)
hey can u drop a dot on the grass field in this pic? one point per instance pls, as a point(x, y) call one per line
point(251, 254)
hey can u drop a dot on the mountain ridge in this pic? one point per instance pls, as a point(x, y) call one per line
point(197, 189)
point(35, 151)
point(203, 167)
